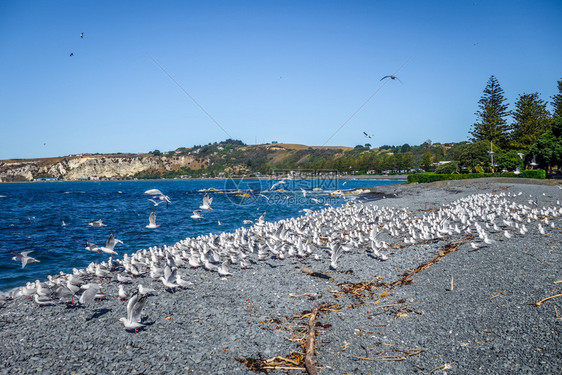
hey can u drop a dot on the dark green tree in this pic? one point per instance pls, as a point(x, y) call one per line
point(475, 155)
point(557, 101)
point(492, 113)
point(510, 160)
point(448, 168)
point(426, 162)
point(531, 120)
point(548, 148)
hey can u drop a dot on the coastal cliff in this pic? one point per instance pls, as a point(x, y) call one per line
point(95, 166)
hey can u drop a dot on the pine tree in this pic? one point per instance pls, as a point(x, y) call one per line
point(557, 101)
point(531, 120)
point(492, 113)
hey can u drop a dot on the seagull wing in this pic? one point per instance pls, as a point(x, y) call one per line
point(89, 294)
point(153, 192)
point(134, 314)
point(130, 305)
point(167, 273)
point(152, 218)
point(110, 244)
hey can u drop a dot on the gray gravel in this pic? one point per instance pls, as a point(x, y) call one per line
point(484, 325)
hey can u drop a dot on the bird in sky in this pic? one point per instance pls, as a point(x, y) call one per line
point(366, 135)
point(81, 35)
point(24, 258)
point(71, 54)
point(393, 77)
point(197, 215)
point(207, 200)
point(152, 221)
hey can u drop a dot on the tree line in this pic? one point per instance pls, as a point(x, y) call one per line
point(531, 139)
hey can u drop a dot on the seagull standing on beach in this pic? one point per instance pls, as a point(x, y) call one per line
point(134, 310)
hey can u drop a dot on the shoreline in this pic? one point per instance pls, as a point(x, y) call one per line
point(341, 177)
point(448, 314)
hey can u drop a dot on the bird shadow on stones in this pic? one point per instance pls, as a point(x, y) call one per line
point(98, 313)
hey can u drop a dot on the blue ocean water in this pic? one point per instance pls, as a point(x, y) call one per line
point(33, 214)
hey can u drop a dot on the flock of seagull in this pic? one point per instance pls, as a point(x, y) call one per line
point(330, 233)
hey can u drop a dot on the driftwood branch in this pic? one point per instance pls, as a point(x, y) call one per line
point(313, 273)
point(309, 344)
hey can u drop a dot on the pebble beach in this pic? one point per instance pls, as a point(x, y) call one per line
point(447, 303)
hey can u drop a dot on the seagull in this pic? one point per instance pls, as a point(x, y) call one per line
point(92, 247)
point(71, 54)
point(155, 203)
point(123, 279)
point(109, 245)
point(24, 258)
point(152, 221)
point(366, 135)
point(159, 194)
point(43, 300)
point(89, 294)
point(153, 192)
point(122, 295)
point(336, 253)
point(169, 278)
point(196, 215)
point(223, 269)
point(276, 184)
point(134, 310)
point(81, 35)
point(393, 77)
point(143, 290)
point(206, 202)
point(261, 220)
point(181, 282)
point(97, 223)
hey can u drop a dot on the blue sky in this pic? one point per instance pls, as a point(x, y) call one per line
point(287, 71)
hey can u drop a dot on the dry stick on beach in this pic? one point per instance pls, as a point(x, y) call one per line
point(451, 247)
point(309, 344)
point(544, 299)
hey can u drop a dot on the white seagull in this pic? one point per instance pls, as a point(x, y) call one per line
point(97, 223)
point(109, 245)
point(152, 221)
point(196, 215)
point(134, 310)
point(24, 258)
point(206, 202)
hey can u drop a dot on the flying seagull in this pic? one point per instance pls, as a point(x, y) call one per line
point(81, 35)
point(152, 221)
point(206, 202)
point(24, 258)
point(366, 135)
point(71, 54)
point(393, 77)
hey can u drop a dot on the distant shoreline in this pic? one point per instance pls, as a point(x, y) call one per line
point(341, 177)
